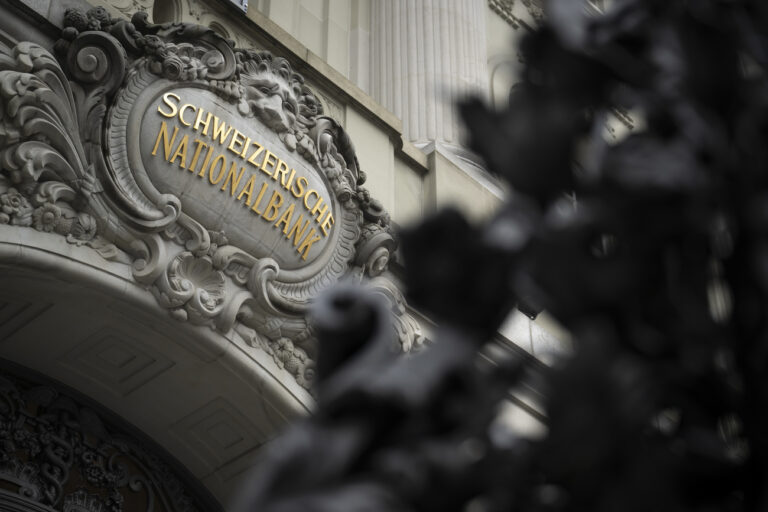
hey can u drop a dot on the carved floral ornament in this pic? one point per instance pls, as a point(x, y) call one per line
point(536, 10)
point(505, 9)
point(56, 454)
point(210, 170)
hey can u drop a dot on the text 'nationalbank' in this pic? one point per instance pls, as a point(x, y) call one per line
point(233, 162)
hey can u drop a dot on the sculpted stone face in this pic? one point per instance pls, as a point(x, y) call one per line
point(272, 100)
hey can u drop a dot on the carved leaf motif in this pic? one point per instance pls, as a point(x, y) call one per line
point(66, 169)
point(52, 462)
point(43, 152)
point(38, 107)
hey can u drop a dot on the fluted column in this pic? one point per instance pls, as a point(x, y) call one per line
point(426, 54)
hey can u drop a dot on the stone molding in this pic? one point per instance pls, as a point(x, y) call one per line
point(505, 10)
point(67, 168)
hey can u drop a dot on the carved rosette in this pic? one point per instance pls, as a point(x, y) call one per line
point(72, 166)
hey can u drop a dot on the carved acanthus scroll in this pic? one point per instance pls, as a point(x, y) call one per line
point(68, 168)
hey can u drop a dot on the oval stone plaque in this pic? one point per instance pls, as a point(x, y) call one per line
point(234, 174)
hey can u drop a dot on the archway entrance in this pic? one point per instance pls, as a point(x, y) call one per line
point(207, 398)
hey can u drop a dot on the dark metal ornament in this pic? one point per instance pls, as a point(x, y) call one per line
point(658, 269)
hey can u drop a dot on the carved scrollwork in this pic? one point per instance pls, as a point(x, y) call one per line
point(47, 180)
point(376, 247)
point(213, 54)
point(235, 262)
point(72, 165)
point(24, 476)
point(144, 209)
point(262, 274)
point(36, 135)
point(199, 239)
point(407, 328)
point(58, 454)
point(151, 258)
point(97, 58)
point(192, 289)
point(332, 141)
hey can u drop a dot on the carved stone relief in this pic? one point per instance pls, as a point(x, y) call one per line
point(128, 7)
point(506, 10)
point(535, 9)
point(81, 136)
point(58, 455)
point(202, 13)
point(333, 109)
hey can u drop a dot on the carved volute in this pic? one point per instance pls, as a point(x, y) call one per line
point(211, 171)
point(59, 454)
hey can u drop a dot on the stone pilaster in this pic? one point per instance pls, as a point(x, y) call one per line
point(424, 56)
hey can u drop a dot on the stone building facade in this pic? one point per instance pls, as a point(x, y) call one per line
point(178, 180)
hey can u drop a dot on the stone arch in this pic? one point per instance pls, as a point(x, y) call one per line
point(209, 399)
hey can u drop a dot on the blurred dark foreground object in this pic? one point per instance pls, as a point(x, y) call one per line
point(652, 250)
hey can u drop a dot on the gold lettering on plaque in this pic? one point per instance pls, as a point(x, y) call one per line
point(229, 155)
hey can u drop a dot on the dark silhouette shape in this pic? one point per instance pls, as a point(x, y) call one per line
point(659, 269)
